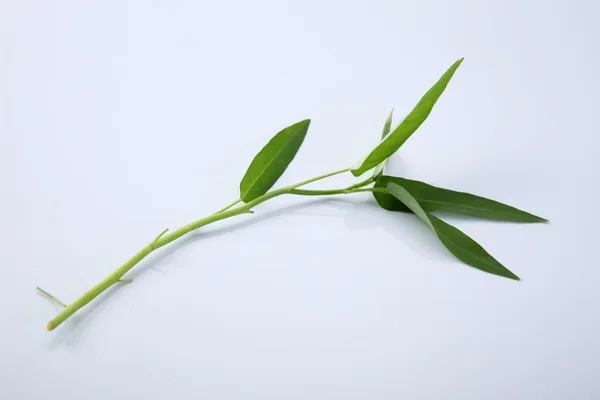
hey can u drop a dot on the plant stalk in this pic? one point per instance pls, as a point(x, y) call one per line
point(163, 239)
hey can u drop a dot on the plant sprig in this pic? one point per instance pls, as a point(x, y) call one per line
point(391, 193)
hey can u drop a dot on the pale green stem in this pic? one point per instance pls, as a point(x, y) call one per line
point(163, 239)
point(348, 190)
point(229, 206)
point(159, 236)
point(378, 190)
point(302, 192)
point(361, 184)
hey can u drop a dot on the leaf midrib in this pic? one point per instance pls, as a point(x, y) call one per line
point(471, 207)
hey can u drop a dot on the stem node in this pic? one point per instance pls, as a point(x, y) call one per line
point(156, 239)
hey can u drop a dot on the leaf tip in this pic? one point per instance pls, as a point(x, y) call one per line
point(303, 124)
point(509, 274)
point(535, 219)
point(506, 273)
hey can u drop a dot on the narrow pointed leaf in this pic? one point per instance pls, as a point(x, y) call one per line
point(432, 198)
point(462, 246)
point(387, 126)
point(271, 162)
point(408, 126)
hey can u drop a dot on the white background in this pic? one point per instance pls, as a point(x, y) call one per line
point(121, 118)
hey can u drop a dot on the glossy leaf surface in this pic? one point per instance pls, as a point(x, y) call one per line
point(408, 126)
point(272, 161)
point(462, 246)
point(432, 198)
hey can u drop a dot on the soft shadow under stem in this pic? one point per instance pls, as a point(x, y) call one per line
point(195, 236)
point(165, 238)
point(84, 317)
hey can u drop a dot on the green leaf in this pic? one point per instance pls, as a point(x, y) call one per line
point(386, 129)
point(408, 126)
point(271, 162)
point(459, 244)
point(433, 199)
point(387, 126)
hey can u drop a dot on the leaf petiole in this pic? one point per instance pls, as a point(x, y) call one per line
point(361, 184)
point(302, 192)
point(235, 203)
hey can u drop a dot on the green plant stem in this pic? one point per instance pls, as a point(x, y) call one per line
point(303, 192)
point(361, 184)
point(348, 190)
point(380, 190)
point(229, 206)
point(163, 239)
